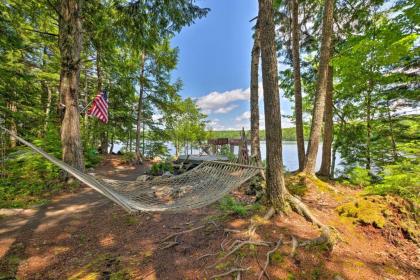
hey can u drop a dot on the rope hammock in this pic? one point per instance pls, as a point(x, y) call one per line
point(201, 186)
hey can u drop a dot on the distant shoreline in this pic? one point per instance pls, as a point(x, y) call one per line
point(288, 134)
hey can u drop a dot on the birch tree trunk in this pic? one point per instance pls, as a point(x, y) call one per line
point(255, 113)
point(325, 169)
point(300, 140)
point(275, 182)
point(70, 43)
point(319, 106)
point(139, 155)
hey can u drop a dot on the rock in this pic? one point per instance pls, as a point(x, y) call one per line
point(166, 174)
point(143, 178)
point(338, 277)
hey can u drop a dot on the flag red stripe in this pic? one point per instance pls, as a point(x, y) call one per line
point(99, 108)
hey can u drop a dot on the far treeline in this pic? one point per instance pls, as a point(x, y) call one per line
point(288, 134)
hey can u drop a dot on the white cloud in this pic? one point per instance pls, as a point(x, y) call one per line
point(221, 102)
point(224, 110)
point(245, 116)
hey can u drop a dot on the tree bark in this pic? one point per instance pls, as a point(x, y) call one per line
point(70, 43)
point(368, 127)
point(318, 111)
point(255, 114)
point(139, 155)
point(325, 169)
point(392, 133)
point(275, 182)
point(46, 94)
point(47, 108)
point(13, 127)
point(297, 83)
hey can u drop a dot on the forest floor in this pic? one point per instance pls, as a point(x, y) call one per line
point(81, 235)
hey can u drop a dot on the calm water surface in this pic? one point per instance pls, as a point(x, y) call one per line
point(290, 159)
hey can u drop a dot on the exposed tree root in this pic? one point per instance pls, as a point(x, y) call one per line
point(295, 244)
point(181, 232)
point(239, 245)
point(267, 260)
point(302, 209)
point(233, 270)
point(254, 224)
point(297, 205)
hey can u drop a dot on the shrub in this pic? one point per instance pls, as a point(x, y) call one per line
point(29, 178)
point(225, 151)
point(129, 157)
point(161, 167)
point(92, 157)
point(231, 206)
point(359, 176)
point(402, 178)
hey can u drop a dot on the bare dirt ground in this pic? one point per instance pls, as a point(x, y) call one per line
point(82, 235)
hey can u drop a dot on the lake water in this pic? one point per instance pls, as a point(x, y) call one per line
point(290, 159)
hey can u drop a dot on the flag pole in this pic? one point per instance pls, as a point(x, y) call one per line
point(84, 109)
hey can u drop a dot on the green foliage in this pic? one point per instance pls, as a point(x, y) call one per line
point(225, 151)
point(156, 148)
point(229, 205)
point(29, 178)
point(402, 178)
point(185, 124)
point(161, 167)
point(129, 157)
point(359, 176)
point(276, 258)
point(92, 157)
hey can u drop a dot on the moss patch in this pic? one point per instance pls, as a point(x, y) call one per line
point(365, 210)
point(392, 213)
point(276, 258)
point(104, 266)
point(296, 184)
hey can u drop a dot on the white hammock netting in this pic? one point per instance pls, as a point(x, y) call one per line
point(201, 186)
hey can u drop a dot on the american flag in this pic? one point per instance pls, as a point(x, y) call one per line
point(99, 107)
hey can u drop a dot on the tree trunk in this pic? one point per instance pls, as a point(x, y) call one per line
point(275, 182)
point(70, 42)
point(325, 169)
point(318, 111)
point(46, 96)
point(297, 83)
point(111, 149)
point(368, 127)
point(392, 133)
point(140, 108)
point(255, 114)
point(13, 128)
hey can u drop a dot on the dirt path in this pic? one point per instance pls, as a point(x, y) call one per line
point(82, 235)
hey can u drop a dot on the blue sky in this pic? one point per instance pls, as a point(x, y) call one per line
point(214, 63)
